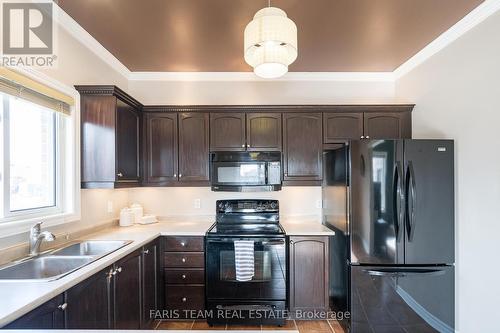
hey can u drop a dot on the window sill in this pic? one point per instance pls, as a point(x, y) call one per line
point(14, 227)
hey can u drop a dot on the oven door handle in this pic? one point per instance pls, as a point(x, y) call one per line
point(246, 307)
point(263, 242)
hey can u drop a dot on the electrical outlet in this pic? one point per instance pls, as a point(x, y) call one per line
point(110, 206)
point(197, 203)
point(318, 204)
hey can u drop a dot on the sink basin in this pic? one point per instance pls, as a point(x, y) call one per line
point(43, 268)
point(91, 248)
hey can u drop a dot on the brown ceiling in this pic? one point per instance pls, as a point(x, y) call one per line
point(207, 35)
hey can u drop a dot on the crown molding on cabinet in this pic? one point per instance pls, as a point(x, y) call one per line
point(475, 17)
point(108, 90)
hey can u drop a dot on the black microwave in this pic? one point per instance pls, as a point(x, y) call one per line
point(245, 171)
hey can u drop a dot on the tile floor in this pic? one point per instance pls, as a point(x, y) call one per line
point(303, 326)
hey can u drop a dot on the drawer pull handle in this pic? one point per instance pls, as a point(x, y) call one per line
point(63, 306)
point(183, 276)
point(184, 299)
point(145, 251)
point(183, 259)
point(183, 244)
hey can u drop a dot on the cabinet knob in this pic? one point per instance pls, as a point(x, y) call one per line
point(63, 306)
point(367, 136)
point(248, 146)
point(362, 137)
point(118, 270)
point(175, 175)
point(242, 146)
point(291, 241)
point(183, 244)
point(184, 299)
point(183, 259)
point(145, 251)
point(183, 276)
point(119, 174)
point(180, 175)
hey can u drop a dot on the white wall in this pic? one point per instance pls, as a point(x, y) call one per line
point(262, 92)
point(457, 95)
point(179, 201)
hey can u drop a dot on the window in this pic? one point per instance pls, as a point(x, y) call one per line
point(33, 159)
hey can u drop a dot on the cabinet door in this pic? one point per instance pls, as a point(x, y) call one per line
point(150, 281)
point(227, 131)
point(49, 315)
point(127, 292)
point(309, 273)
point(89, 303)
point(302, 146)
point(161, 147)
point(387, 125)
point(264, 131)
point(193, 146)
point(342, 126)
point(127, 142)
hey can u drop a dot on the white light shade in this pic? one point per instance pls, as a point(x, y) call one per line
point(270, 42)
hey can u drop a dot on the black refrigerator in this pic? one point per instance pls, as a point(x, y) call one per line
point(391, 204)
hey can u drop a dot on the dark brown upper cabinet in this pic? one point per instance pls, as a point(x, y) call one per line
point(302, 146)
point(367, 122)
point(387, 125)
point(193, 146)
point(263, 131)
point(227, 131)
point(160, 131)
point(342, 126)
point(110, 137)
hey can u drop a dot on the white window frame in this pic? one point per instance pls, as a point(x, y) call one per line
point(67, 207)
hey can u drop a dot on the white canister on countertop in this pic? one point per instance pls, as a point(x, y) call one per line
point(138, 212)
point(127, 217)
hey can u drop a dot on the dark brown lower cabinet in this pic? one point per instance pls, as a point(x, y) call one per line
point(150, 282)
point(50, 315)
point(89, 302)
point(127, 292)
point(308, 273)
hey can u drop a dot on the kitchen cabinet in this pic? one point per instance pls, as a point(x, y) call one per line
point(302, 147)
point(309, 273)
point(376, 122)
point(50, 315)
point(227, 131)
point(161, 158)
point(193, 147)
point(110, 137)
point(150, 283)
point(255, 131)
point(263, 131)
point(176, 147)
point(127, 311)
point(184, 273)
point(89, 302)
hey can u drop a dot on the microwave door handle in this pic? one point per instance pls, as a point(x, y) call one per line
point(266, 172)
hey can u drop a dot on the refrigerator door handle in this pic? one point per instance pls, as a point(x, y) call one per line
point(397, 198)
point(404, 272)
point(413, 190)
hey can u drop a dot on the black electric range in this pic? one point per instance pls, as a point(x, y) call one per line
point(261, 297)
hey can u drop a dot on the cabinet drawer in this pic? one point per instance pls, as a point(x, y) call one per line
point(184, 276)
point(188, 297)
point(184, 244)
point(184, 259)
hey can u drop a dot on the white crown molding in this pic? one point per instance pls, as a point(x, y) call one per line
point(476, 16)
point(469, 21)
point(76, 30)
point(250, 76)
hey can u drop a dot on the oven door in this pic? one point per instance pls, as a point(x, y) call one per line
point(238, 173)
point(268, 282)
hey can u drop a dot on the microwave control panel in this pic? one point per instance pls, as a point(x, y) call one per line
point(274, 173)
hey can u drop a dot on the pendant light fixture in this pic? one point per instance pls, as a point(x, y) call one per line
point(270, 42)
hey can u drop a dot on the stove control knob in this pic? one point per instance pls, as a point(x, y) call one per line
point(273, 205)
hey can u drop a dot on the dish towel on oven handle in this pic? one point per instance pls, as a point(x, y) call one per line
point(244, 260)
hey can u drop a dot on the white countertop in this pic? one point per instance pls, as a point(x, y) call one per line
point(18, 298)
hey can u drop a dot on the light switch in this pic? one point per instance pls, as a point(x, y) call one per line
point(110, 206)
point(197, 203)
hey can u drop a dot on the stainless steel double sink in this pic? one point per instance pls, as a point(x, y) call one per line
point(59, 262)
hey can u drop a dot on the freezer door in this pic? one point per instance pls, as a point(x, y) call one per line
point(376, 196)
point(402, 299)
point(429, 184)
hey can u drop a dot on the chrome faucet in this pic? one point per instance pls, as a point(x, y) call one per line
point(36, 238)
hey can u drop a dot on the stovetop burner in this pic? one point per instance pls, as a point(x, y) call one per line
point(249, 217)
